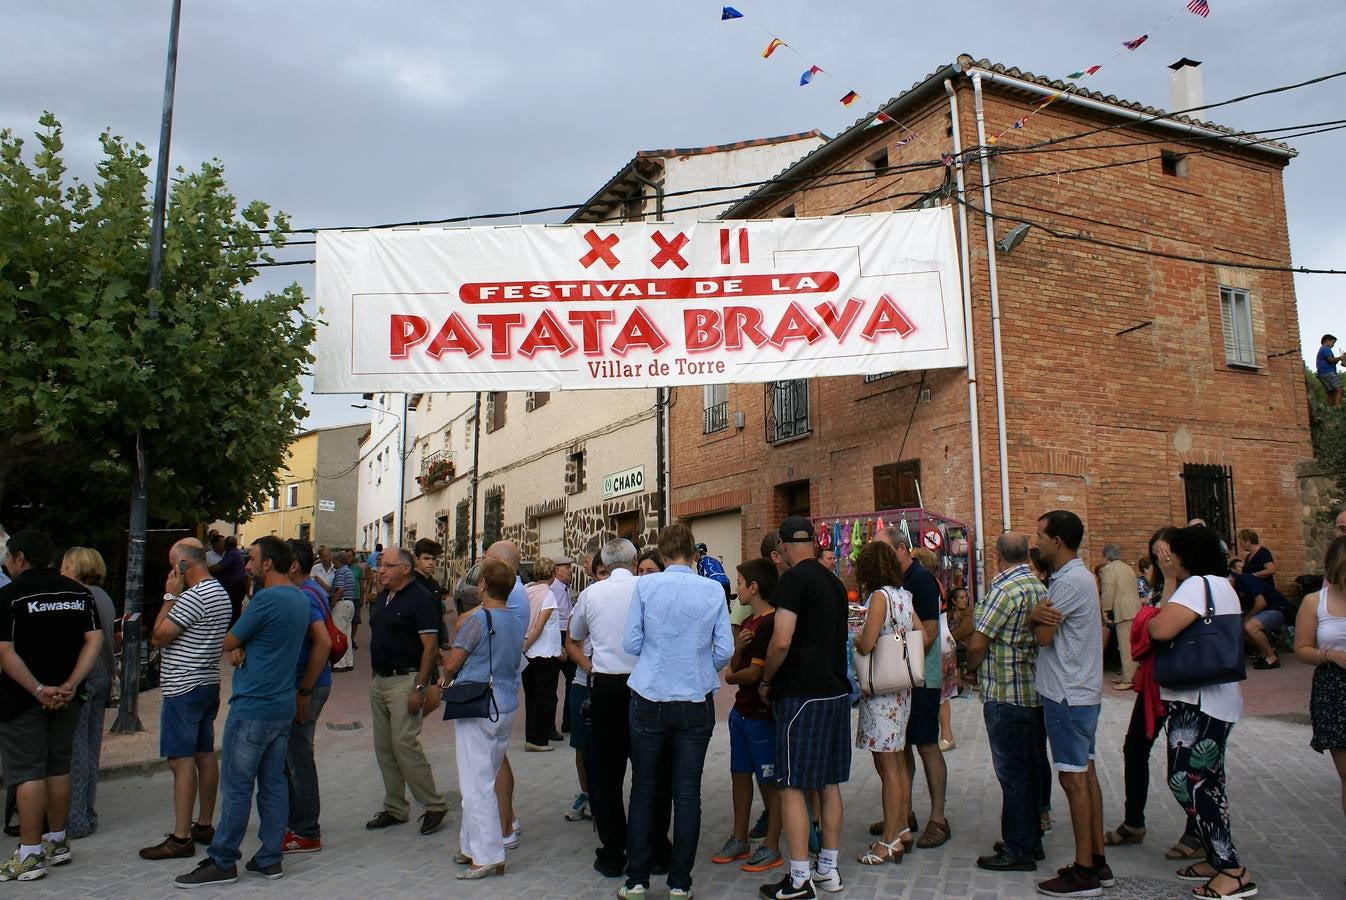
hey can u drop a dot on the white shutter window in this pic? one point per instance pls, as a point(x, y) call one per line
point(714, 395)
point(1236, 321)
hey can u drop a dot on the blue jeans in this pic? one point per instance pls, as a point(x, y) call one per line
point(668, 751)
point(302, 772)
point(252, 752)
point(1013, 733)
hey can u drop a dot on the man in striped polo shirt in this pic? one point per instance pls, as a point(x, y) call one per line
point(1004, 641)
point(189, 631)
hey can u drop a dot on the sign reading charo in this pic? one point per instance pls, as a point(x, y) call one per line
point(627, 481)
point(537, 307)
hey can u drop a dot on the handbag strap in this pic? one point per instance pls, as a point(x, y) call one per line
point(1210, 600)
point(490, 649)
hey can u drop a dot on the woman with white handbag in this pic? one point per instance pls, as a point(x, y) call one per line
point(888, 659)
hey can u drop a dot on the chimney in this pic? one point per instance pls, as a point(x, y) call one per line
point(1184, 84)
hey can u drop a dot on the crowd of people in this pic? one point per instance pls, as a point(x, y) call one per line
point(647, 643)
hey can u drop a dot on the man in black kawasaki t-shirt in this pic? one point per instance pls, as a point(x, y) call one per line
point(49, 640)
point(805, 676)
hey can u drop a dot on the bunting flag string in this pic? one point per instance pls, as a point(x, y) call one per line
point(1199, 8)
point(807, 76)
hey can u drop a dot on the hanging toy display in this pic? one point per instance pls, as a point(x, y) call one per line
point(856, 541)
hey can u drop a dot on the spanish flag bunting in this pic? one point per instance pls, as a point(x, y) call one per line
point(771, 47)
point(1131, 45)
point(851, 97)
point(1083, 72)
point(808, 75)
point(730, 13)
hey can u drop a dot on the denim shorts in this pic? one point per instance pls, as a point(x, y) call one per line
point(752, 746)
point(1270, 619)
point(1070, 732)
point(187, 722)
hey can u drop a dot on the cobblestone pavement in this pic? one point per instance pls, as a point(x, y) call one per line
point(1286, 801)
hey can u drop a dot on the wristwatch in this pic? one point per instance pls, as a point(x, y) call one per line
point(170, 598)
point(420, 689)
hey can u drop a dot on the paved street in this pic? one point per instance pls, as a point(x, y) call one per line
point(1285, 799)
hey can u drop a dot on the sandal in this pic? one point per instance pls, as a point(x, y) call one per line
point(1245, 888)
point(876, 828)
point(936, 834)
point(875, 857)
point(1123, 834)
point(1190, 873)
point(1183, 850)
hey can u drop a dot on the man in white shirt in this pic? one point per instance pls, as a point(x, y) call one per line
point(323, 570)
point(600, 616)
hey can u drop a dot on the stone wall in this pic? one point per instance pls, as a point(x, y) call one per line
point(1320, 498)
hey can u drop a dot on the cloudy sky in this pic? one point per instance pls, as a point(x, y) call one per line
point(348, 113)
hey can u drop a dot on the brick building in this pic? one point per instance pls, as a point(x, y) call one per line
point(1140, 388)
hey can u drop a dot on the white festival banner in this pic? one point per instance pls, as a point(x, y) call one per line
point(562, 307)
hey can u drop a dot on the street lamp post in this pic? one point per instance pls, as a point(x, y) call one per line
point(128, 719)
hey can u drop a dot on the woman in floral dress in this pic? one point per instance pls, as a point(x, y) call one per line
point(883, 717)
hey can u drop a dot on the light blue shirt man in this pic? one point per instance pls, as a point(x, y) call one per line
point(678, 627)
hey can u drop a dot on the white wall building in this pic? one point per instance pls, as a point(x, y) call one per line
point(380, 476)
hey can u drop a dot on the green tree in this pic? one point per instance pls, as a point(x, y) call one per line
point(210, 379)
point(1327, 427)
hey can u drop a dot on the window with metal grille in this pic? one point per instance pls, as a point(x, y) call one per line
point(461, 523)
point(1236, 317)
point(715, 404)
point(493, 522)
point(1209, 491)
point(787, 410)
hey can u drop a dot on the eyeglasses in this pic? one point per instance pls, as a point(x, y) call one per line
point(384, 565)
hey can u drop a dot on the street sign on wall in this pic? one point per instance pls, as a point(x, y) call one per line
point(326, 506)
point(627, 481)
point(538, 307)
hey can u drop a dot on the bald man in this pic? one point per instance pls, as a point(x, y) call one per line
point(507, 552)
point(189, 631)
point(1004, 640)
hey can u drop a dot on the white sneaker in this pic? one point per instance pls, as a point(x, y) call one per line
point(831, 882)
point(579, 809)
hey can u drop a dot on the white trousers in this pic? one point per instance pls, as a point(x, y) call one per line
point(479, 745)
point(343, 614)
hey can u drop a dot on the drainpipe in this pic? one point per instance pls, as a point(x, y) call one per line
point(476, 458)
point(974, 415)
point(658, 193)
point(995, 305)
point(661, 394)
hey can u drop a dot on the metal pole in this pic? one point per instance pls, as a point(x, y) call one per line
point(1001, 440)
point(476, 458)
point(128, 719)
point(974, 415)
point(402, 477)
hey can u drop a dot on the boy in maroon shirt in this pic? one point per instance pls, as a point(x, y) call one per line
point(752, 729)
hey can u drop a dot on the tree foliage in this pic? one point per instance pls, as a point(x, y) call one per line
point(209, 379)
point(1327, 425)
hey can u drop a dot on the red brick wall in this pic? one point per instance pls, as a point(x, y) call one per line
point(1096, 421)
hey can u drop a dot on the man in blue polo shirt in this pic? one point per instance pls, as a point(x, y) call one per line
point(1327, 369)
point(678, 629)
point(265, 643)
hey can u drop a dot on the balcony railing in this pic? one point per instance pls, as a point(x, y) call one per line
point(437, 470)
point(716, 418)
point(787, 410)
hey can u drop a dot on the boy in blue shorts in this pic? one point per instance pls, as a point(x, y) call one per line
point(752, 728)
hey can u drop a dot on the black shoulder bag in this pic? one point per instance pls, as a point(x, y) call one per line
point(474, 699)
point(1208, 651)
